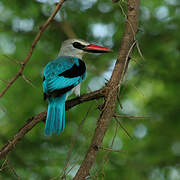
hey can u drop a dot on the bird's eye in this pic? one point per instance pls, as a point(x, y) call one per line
point(78, 45)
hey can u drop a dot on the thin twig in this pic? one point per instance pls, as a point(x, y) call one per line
point(74, 139)
point(126, 61)
point(133, 59)
point(13, 170)
point(118, 98)
point(139, 50)
point(28, 81)
point(4, 164)
point(115, 134)
point(139, 91)
point(123, 128)
point(68, 30)
point(137, 44)
point(124, 86)
point(131, 117)
point(134, 34)
point(115, 82)
point(36, 39)
point(31, 122)
point(105, 158)
point(73, 166)
point(3, 80)
point(122, 9)
point(12, 59)
point(110, 149)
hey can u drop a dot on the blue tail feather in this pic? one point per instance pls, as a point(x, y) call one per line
point(55, 121)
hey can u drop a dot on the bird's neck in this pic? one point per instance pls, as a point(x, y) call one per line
point(72, 54)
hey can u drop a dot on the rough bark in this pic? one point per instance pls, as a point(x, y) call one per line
point(113, 89)
point(109, 93)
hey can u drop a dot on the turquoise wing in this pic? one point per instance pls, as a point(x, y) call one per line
point(63, 74)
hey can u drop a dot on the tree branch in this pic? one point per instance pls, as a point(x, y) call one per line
point(109, 92)
point(31, 122)
point(36, 39)
point(113, 87)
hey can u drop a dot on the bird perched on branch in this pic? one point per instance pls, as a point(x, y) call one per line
point(62, 77)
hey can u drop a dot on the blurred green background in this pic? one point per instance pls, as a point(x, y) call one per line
point(151, 88)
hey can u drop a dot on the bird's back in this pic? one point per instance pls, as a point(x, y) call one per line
point(59, 65)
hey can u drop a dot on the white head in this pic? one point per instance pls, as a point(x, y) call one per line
point(77, 48)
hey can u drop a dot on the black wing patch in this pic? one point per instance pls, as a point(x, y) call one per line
point(58, 92)
point(75, 71)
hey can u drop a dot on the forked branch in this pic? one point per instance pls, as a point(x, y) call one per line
point(31, 122)
point(113, 86)
point(110, 92)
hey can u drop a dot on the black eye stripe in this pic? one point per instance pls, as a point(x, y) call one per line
point(78, 45)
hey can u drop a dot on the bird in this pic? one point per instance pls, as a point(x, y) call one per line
point(62, 77)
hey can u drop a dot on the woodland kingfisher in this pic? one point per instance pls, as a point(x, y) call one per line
point(63, 76)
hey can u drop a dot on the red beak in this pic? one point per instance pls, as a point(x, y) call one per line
point(92, 48)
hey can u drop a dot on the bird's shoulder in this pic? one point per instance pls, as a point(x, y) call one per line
point(62, 73)
point(61, 64)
